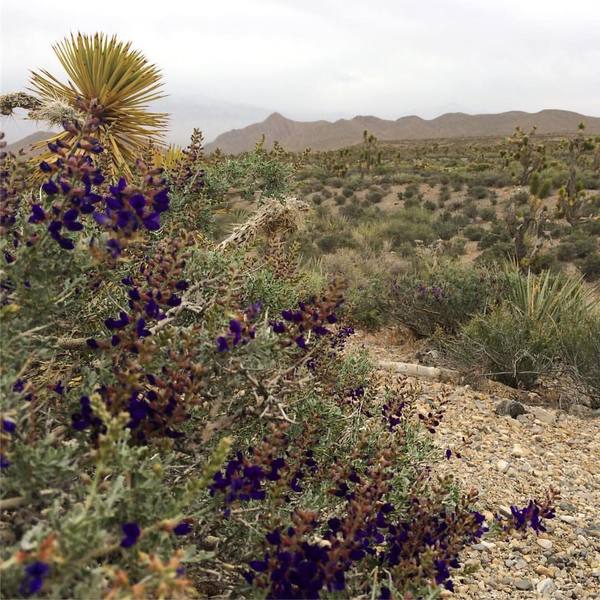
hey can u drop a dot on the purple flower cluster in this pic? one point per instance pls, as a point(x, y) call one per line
point(531, 516)
point(433, 291)
point(314, 317)
point(146, 303)
point(243, 479)
point(241, 330)
point(85, 418)
point(73, 180)
point(128, 208)
point(8, 428)
point(33, 581)
point(73, 189)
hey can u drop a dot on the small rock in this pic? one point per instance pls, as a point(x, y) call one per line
point(502, 466)
point(506, 512)
point(521, 563)
point(567, 518)
point(523, 584)
point(546, 587)
point(518, 450)
point(544, 543)
point(509, 408)
point(542, 415)
point(484, 546)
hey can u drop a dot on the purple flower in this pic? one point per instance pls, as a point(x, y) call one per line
point(278, 327)
point(182, 528)
point(37, 214)
point(222, 345)
point(119, 323)
point(132, 532)
point(4, 462)
point(34, 578)
point(50, 188)
point(152, 221)
point(9, 426)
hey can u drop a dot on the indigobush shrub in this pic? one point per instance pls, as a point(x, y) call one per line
point(443, 295)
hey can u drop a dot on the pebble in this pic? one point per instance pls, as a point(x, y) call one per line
point(544, 543)
point(523, 584)
point(567, 518)
point(502, 466)
point(545, 587)
point(484, 546)
point(518, 450)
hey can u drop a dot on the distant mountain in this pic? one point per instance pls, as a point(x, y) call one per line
point(27, 142)
point(325, 135)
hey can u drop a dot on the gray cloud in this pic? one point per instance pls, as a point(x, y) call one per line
point(229, 63)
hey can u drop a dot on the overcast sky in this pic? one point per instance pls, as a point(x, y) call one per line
point(228, 63)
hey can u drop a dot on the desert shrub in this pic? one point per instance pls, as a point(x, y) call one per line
point(487, 214)
point(544, 261)
point(470, 210)
point(455, 247)
point(497, 252)
point(332, 241)
point(545, 189)
point(473, 232)
point(334, 182)
point(412, 202)
point(520, 198)
point(443, 295)
point(368, 303)
point(574, 246)
point(444, 195)
point(429, 205)
point(590, 266)
point(477, 192)
point(347, 192)
point(326, 193)
point(496, 234)
point(317, 199)
point(457, 185)
point(411, 190)
point(521, 339)
point(505, 346)
point(579, 350)
point(409, 225)
point(353, 211)
point(374, 196)
point(340, 200)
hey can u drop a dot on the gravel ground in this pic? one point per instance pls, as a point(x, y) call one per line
point(510, 461)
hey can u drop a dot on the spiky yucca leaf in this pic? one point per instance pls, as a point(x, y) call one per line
point(167, 158)
point(122, 81)
point(546, 298)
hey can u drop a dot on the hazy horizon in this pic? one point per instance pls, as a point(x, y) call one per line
point(231, 64)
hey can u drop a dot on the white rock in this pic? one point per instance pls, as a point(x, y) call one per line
point(567, 518)
point(546, 587)
point(502, 466)
point(518, 450)
point(544, 543)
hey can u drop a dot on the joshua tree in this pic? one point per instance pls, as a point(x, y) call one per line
point(525, 227)
point(368, 155)
point(531, 156)
point(572, 200)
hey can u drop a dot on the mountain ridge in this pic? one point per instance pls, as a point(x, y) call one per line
point(331, 135)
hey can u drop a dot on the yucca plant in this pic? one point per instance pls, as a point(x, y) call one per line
point(546, 298)
point(120, 79)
